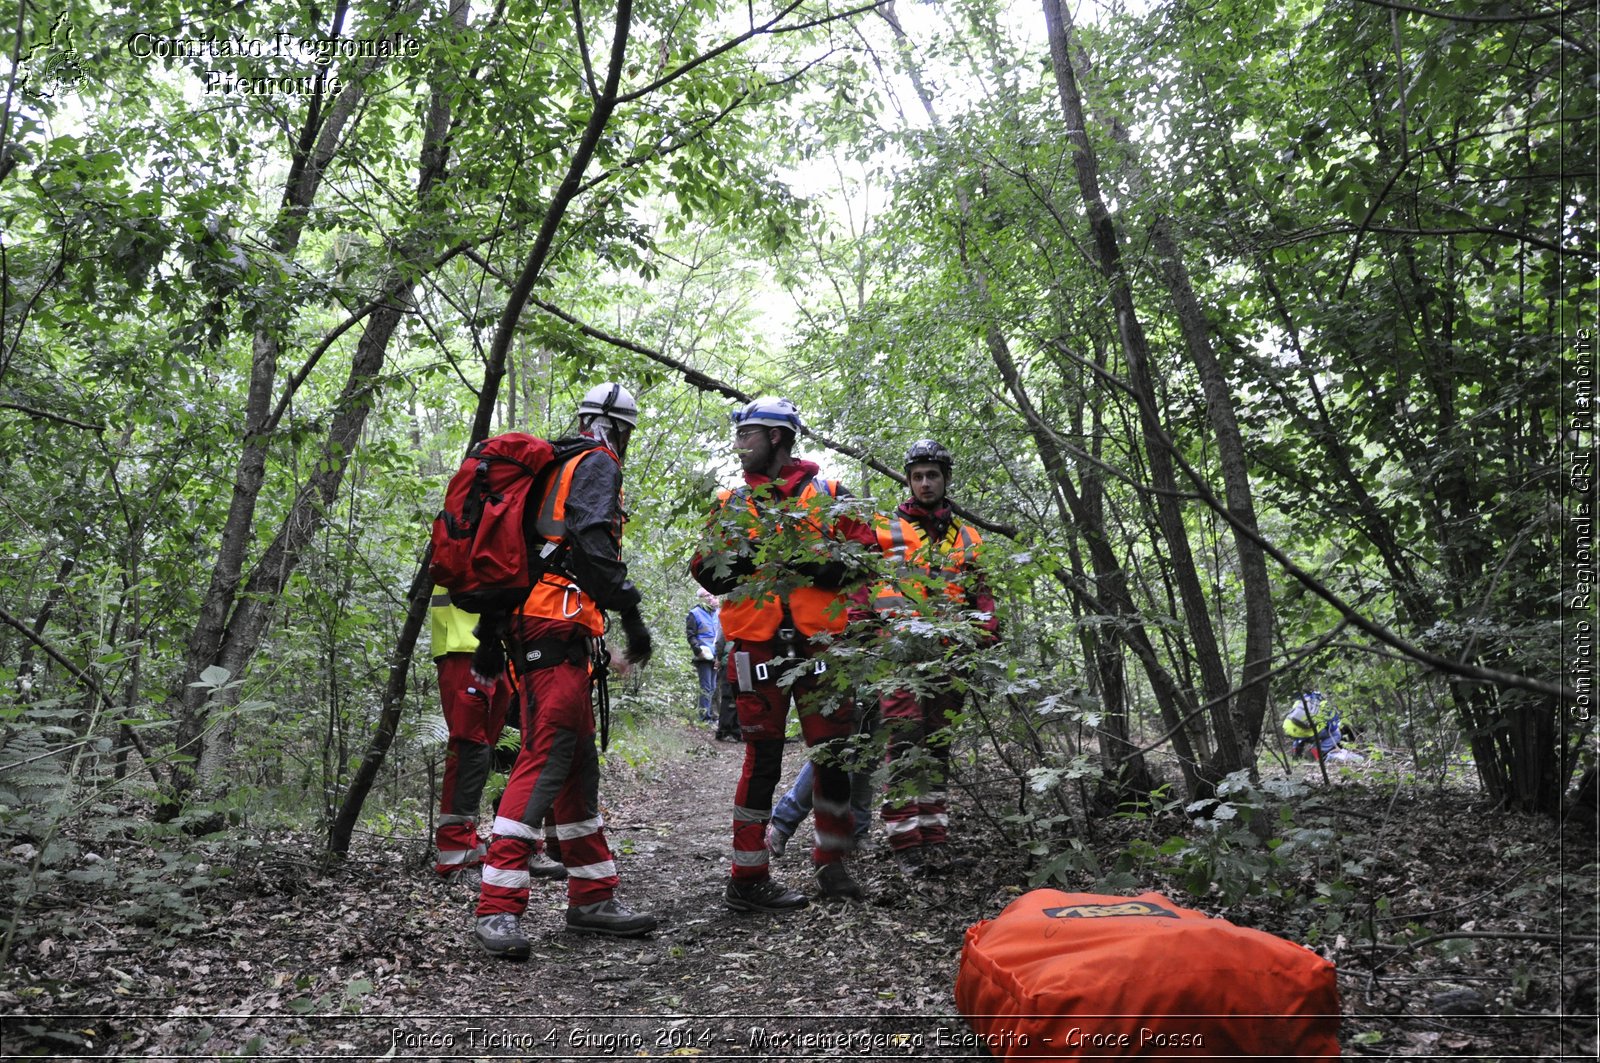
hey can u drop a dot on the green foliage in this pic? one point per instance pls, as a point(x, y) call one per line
point(72, 833)
point(1246, 844)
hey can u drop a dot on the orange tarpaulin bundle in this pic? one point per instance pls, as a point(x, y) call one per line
point(1074, 974)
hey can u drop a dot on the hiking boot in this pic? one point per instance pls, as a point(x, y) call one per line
point(609, 916)
point(912, 862)
point(464, 878)
point(541, 866)
point(836, 884)
point(777, 841)
point(762, 895)
point(501, 935)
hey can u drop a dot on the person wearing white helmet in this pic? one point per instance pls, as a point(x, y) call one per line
point(781, 555)
point(609, 413)
point(557, 773)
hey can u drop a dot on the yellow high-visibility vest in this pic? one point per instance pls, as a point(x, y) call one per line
point(451, 627)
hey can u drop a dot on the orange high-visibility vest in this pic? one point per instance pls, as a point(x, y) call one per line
point(558, 597)
point(905, 548)
point(814, 609)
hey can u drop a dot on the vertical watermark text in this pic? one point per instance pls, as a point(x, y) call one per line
point(1579, 562)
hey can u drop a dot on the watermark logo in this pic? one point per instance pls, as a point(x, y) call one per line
point(52, 67)
point(310, 58)
point(1108, 911)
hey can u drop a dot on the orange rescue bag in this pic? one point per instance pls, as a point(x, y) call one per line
point(1074, 974)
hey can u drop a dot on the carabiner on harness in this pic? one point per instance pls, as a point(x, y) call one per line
point(572, 593)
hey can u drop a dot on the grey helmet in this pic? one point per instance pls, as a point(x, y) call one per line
point(928, 450)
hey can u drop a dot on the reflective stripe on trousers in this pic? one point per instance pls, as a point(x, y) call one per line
point(475, 715)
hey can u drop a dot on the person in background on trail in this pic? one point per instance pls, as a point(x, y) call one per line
point(727, 711)
point(776, 549)
point(795, 805)
point(703, 631)
point(554, 641)
point(1314, 728)
point(475, 715)
point(933, 562)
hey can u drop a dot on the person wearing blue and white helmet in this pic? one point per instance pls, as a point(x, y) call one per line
point(780, 553)
point(1315, 729)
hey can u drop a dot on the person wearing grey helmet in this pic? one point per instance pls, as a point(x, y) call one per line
point(933, 561)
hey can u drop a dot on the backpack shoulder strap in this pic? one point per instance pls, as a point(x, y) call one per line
point(575, 446)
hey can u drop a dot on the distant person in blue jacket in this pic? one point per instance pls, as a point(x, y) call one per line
point(703, 630)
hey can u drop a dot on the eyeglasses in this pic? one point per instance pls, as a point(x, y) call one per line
point(743, 430)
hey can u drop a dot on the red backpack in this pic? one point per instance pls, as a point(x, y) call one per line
point(485, 550)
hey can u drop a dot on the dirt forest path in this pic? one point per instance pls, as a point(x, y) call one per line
point(374, 958)
point(822, 982)
point(287, 958)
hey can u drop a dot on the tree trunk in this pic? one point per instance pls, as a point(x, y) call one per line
point(1110, 580)
point(1250, 701)
point(319, 140)
point(1108, 258)
point(400, 663)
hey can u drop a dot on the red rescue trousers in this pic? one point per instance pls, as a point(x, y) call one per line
point(825, 717)
point(475, 714)
point(556, 778)
point(917, 812)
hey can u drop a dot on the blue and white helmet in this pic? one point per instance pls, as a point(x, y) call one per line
point(1307, 706)
point(769, 412)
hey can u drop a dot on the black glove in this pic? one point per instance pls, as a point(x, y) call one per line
point(489, 659)
point(638, 636)
point(739, 566)
point(830, 575)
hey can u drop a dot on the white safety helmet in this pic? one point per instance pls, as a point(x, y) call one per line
point(610, 400)
point(609, 414)
point(769, 412)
